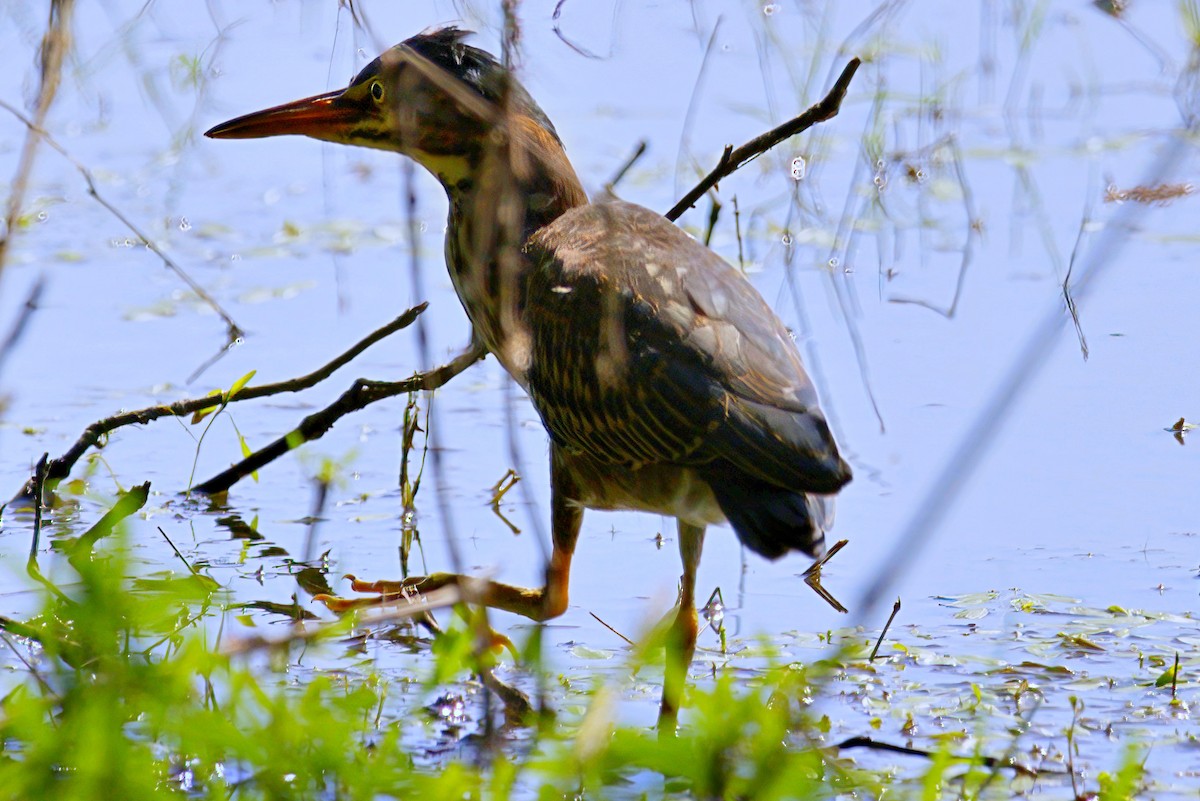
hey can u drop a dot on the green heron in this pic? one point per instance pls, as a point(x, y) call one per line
point(664, 380)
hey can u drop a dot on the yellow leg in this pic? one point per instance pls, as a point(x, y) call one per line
point(681, 638)
point(543, 603)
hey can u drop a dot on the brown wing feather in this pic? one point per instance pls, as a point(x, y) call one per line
point(649, 348)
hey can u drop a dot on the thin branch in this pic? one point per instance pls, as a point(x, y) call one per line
point(886, 626)
point(733, 159)
point(93, 435)
point(39, 486)
point(986, 761)
point(360, 395)
point(628, 641)
point(638, 152)
point(233, 330)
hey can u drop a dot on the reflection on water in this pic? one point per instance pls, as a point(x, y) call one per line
point(978, 161)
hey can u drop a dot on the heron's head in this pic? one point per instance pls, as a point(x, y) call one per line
point(432, 98)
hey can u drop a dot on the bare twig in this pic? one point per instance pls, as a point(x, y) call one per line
point(182, 558)
point(733, 159)
point(31, 565)
point(628, 641)
point(39, 487)
point(986, 761)
point(232, 330)
point(360, 395)
point(638, 152)
point(94, 434)
point(886, 626)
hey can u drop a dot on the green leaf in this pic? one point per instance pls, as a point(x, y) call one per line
point(239, 385)
point(1166, 678)
point(199, 415)
point(246, 453)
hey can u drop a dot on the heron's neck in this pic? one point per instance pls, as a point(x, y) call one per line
point(497, 200)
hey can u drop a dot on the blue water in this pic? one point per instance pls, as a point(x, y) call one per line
point(1082, 494)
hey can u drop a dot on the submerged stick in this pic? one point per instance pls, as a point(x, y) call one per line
point(886, 626)
point(986, 761)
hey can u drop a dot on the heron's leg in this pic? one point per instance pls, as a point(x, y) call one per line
point(544, 603)
point(681, 638)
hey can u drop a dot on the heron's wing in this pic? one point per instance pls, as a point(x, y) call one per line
point(648, 347)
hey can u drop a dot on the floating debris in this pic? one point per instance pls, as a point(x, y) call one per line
point(1161, 193)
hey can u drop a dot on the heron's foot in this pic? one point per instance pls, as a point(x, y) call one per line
point(385, 593)
point(680, 649)
point(410, 591)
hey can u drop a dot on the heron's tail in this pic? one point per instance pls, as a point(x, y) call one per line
point(771, 520)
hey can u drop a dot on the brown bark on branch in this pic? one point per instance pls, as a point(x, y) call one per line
point(733, 160)
point(360, 395)
point(93, 435)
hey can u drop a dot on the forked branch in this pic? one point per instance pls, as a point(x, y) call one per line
point(93, 435)
point(360, 395)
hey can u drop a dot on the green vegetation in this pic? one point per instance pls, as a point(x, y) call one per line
point(134, 688)
point(126, 679)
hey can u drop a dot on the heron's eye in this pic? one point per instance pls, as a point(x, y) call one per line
point(377, 91)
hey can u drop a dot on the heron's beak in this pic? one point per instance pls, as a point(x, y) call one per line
point(324, 116)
